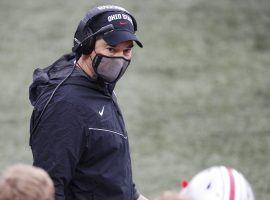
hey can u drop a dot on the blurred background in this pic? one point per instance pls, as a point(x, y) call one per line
point(195, 96)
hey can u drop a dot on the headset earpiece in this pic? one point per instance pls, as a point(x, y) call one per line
point(89, 44)
point(82, 46)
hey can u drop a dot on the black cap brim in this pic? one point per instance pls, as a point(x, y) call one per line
point(118, 36)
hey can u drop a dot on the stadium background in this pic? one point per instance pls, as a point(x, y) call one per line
point(196, 95)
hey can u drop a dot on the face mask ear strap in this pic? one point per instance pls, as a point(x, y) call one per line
point(91, 57)
point(95, 62)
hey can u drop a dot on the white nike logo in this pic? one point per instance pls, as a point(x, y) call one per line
point(101, 112)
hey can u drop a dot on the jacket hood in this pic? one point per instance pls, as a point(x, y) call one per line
point(51, 76)
point(47, 78)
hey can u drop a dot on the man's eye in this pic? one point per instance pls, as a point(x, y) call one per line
point(127, 50)
point(111, 50)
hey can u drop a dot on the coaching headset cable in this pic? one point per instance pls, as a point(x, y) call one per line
point(47, 103)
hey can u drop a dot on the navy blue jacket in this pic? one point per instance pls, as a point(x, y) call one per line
point(80, 140)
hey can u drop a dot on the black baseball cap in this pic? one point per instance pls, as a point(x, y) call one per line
point(123, 28)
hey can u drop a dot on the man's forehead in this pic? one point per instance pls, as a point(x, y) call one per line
point(127, 44)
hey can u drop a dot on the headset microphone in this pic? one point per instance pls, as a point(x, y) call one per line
point(103, 30)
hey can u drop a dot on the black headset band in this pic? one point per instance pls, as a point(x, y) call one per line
point(84, 28)
point(93, 13)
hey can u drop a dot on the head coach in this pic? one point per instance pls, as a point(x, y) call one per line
point(77, 130)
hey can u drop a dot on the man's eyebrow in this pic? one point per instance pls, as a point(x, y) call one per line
point(115, 46)
point(107, 45)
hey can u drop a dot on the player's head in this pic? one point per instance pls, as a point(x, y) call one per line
point(218, 183)
point(25, 182)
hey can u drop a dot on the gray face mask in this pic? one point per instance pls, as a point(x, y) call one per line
point(110, 69)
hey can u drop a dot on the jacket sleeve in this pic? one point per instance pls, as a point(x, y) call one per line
point(136, 194)
point(58, 143)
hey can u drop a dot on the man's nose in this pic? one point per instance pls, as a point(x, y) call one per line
point(119, 54)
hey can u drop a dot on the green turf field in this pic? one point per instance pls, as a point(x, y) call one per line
point(196, 95)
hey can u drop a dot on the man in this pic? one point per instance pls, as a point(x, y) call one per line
point(78, 133)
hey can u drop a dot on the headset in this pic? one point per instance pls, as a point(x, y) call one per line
point(84, 38)
point(84, 43)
